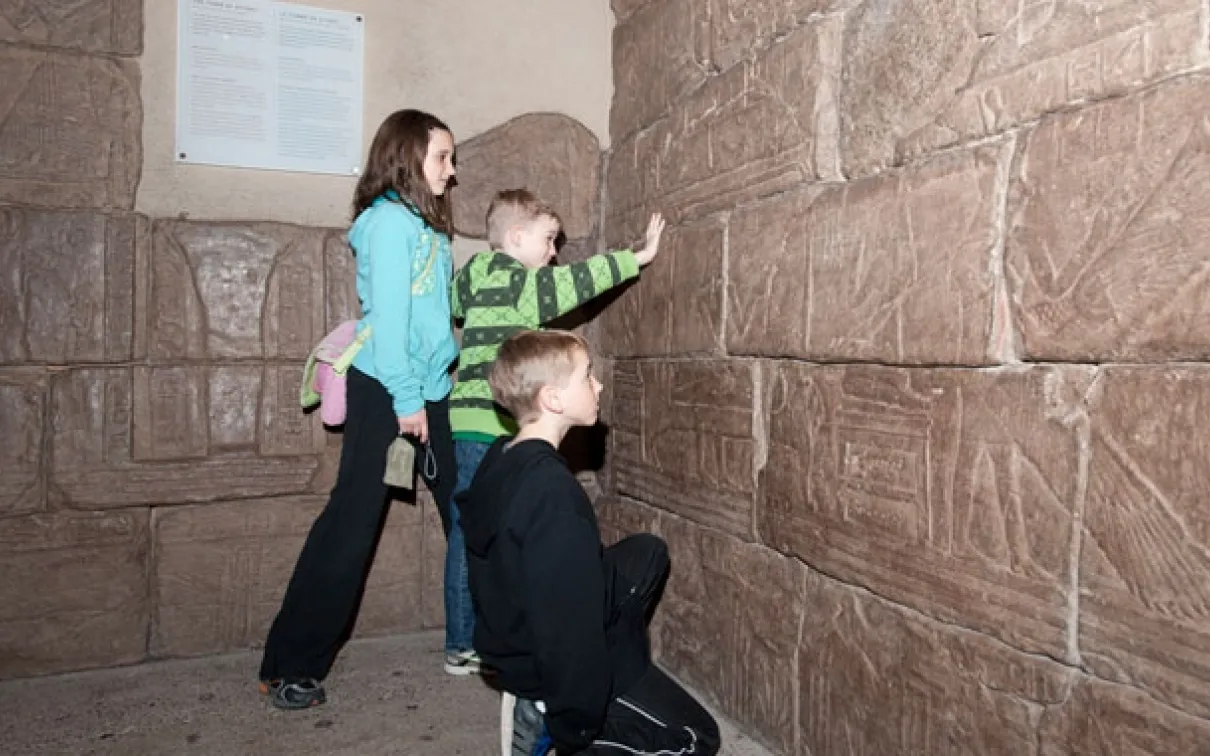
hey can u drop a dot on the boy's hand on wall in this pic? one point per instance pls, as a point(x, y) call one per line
point(655, 228)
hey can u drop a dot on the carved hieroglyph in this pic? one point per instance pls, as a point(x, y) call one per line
point(70, 129)
point(239, 290)
point(896, 268)
point(101, 26)
point(738, 27)
point(1145, 562)
point(23, 411)
point(876, 680)
point(676, 306)
point(220, 570)
point(1115, 720)
point(553, 155)
point(730, 621)
point(950, 491)
point(122, 437)
point(683, 439)
point(761, 127)
point(658, 57)
point(924, 74)
point(1107, 253)
point(74, 593)
point(67, 293)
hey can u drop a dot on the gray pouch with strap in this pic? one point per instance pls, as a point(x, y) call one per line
point(401, 464)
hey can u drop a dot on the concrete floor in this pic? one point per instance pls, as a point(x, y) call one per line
point(385, 696)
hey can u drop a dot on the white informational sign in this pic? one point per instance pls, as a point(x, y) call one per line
point(269, 85)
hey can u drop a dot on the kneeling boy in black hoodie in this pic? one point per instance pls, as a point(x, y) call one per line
point(562, 620)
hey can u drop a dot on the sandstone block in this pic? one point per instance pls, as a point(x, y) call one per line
point(619, 517)
point(221, 569)
point(1117, 721)
point(683, 439)
point(553, 155)
point(70, 130)
point(920, 74)
point(623, 8)
point(102, 26)
point(875, 679)
point(1106, 252)
point(227, 394)
point(1145, 561)
point(757, 129)
point(74, 593)
point(22, 417)
point(340, 282)
point(676, 306)
point(284, 430)
point(233, 290)
point(892, 269)
point(949, 491)
point(324, 477)
point(135, 436)
point(731, 616)
point(180, 411)
point(738, 27)
point(659, 55)
point(170, 412)
point(68, 291)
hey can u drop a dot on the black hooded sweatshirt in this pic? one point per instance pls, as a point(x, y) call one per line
point(542, 593)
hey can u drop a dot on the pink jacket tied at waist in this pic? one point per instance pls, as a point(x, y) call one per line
point(324, 375)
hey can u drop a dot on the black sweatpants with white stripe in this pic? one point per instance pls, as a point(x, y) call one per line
point(656, 715)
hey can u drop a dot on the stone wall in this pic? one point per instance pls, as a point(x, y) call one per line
point(156, 475)
point(918, 391)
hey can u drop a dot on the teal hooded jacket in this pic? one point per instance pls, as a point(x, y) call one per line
point(404, 268)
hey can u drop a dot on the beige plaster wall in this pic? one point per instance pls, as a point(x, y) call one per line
point(517, 56)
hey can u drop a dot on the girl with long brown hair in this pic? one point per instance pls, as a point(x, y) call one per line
point(399, 384)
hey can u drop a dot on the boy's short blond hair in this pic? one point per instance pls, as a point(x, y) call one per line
point(512, 207)
point(529, 361)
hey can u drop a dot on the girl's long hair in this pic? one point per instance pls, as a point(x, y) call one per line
point(396, 161)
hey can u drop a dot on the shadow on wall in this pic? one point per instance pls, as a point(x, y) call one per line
point(559, 159)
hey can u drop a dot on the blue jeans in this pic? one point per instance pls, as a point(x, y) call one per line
point(459, 612)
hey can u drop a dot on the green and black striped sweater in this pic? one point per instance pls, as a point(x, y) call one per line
point(496, 296)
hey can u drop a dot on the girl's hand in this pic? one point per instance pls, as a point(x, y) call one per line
point(415, 424)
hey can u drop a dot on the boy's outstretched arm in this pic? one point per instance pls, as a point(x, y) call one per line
point(564, 601)
point(554, 291)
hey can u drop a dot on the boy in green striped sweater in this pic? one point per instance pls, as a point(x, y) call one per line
point(508, 289)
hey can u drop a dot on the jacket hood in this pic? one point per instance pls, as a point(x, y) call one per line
point(495, 484)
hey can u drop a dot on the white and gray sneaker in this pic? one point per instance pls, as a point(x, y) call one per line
point(463, 663)
point(523, 727)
